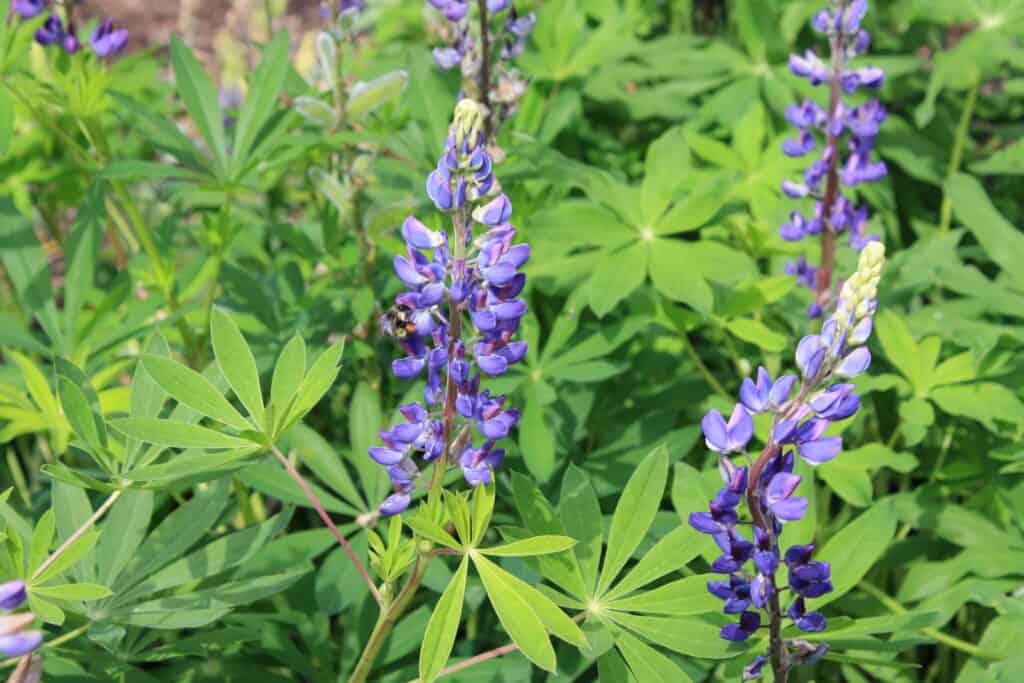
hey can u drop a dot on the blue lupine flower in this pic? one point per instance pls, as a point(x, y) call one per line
point(107, 40)
point(799, 427)
point(747, 626)
point(14, 640)
point(481, 282)
point(727, 438)
point(27, 9)
point(825, 175)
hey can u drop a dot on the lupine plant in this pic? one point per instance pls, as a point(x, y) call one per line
point(458, 340)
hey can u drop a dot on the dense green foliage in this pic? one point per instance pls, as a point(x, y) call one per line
point(187, 290)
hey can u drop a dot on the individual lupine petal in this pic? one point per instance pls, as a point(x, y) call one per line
point(495, 212)
point(20, 643)
point(795, 190)
point(799, 554)
point(478, 463)
point(820, 450)
point(822, 21)
point(12, 594)
point(868, 77)
point(810, 622)
point(737, 550)
point(705, 523)
point(760, 591)
point(809, 354)
point(439, 189)
point(493, 364)
point(795, 229)
point(455, 10)
point(107, 40)
point(395, 503)
point(809, 66)
point(446, 57)
point(386, 456)
point(802, 145)
point(806, 115)
point(861, 43)
point(407, 368)
point(753, 670)
point(726, 438)
point(495, 6)
point(854, 15)
point(70, 43)
point(499, 426)
point(420, 236)
point(861, 331)
point(854, 363)
point(780, 500)
point(747, 626)
point(27, 9)
point(778, 395)
point(755, 396)
point(407, 272)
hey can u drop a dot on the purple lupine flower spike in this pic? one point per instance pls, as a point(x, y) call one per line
point(455, 278)
point(848, 163)
point(799, 427)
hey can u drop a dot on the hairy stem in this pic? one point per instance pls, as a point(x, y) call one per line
point(389, 616)
point(823, 285)
point(962, 136)
point(776, 647)
point(461, 222)
point(88, 524)
point(318, 506)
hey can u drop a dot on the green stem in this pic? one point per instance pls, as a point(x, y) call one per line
point(962, 131)
point(953, 642)
point(708, 377)
point(100, 511)
point(389, 616)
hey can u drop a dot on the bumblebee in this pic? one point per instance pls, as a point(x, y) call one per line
point(396, 322)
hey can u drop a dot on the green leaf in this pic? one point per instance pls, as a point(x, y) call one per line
point(856, 548)
point(316, 112)
point(1003, 243)
point(189, 388)
point(364, 419)
point(35, 381)
point(86, 424)
point(671, 553)
point(537, 545)
point(675, 276)
point(431, 530)
point(45, 610)
point(200, 97)
point(175, 434)
point(698, 207)
point(516, 614)
point(757, 333)
point(647, 664)
point(82, 546)
point(123, 531)
point(42, 539)
point(616, 276)
point(364, 97)
point(899, 345)
point(80, 255)
point(236, 363)
point(540, 518)
point(317, 381)
point(580, 513)
point(74, 591)
point(985, 402)
point(536, 440)
point(317, 454)
point(681, 597)
point(288, 374)
point(685, 635)
point(634, 513)
point(330, 188)
point(264, 86)
point(439, 637)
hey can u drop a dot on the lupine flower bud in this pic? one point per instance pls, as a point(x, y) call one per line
point(27, 9)
point(14, 641)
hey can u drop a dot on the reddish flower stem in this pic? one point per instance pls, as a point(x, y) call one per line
point(318, 506)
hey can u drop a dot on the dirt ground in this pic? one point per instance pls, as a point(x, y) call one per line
point(151, 23)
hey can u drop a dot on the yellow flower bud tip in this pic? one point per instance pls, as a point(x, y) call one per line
point(467, 120)
point(872, 256)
